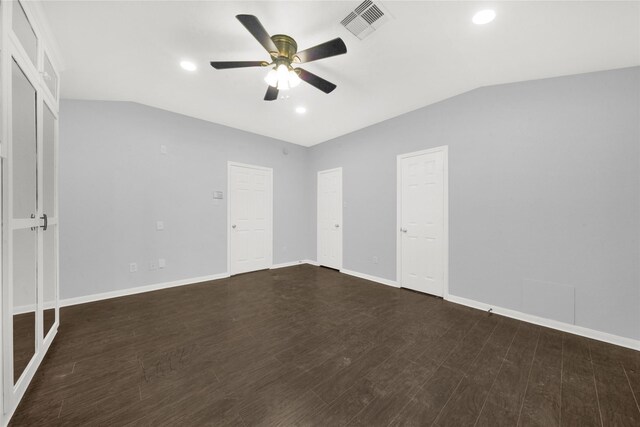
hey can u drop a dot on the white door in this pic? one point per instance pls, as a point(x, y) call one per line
point(422, 221)
point(250, 224)
point(330, 218)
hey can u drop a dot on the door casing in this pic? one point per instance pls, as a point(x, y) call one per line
point(445, 256)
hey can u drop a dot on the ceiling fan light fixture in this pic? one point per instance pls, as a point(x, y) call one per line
point(188, 65)
point(484, 16)
point(272, 78)
point(294, 80)
point(283, 51)
point(282, 72)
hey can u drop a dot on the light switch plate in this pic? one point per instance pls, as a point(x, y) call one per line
point(163, 149)
point(162, 263)
point(159, 225)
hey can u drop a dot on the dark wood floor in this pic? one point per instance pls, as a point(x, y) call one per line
point(24, 342)
point(24, 338)
point(310, 346)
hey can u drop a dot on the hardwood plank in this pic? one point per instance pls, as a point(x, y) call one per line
point(541, 406)
point(579, 405)
point(426, 404)
point(504, 400)
point(338, 383)
point(467, 401)
point(394, 393)
point(616, 400)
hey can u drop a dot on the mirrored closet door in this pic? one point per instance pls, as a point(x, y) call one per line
point(30, 314)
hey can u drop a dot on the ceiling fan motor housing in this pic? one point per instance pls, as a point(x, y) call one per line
point(287, 47)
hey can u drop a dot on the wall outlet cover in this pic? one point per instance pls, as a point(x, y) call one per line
point(159, 225)
point(162, 263)
point(133, 267)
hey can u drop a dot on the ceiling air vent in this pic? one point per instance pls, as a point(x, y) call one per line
point(365, 19)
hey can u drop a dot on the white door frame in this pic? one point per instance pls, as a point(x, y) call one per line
point(230, 164)
point(445, 256)
point(11, 50)
point(339, 169)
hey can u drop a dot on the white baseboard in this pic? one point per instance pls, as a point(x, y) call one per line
point(387, 282)
point(287, 264)
point(514, 314)
point(140, 289)
point(32, 307)
point(549, 323)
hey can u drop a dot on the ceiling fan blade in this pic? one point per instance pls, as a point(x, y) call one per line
point(315, 81)
point(272, 94)
point(256, 29)
point(325, 50)
point(221, 65)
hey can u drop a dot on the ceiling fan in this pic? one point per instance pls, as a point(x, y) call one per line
point(284, 53)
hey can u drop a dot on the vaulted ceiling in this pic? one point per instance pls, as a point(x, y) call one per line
point(428, 51)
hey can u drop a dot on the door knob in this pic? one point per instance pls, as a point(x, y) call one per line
point(337, 225)
point(233, 226)
point(404, 230)
point(46, 222)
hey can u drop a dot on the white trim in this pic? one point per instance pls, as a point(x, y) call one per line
point(549, 323)
point(11, 50)
point(310, 262)
point(22, 309)
point(140, 289)
point(230, 164)
point(37, 19)
point(370, 278)
point(514, 314)
point(286, 264)
point(445, 151)
point(341, 221)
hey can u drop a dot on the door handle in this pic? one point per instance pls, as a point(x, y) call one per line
point(404, 230)
point(233, 226)
point(46, 222)
point(337, 225)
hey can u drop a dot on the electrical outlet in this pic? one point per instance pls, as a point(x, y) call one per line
point(163, 149)
point(374, 259)
point(162, 263)
point(133, 267)
point(159, 225)
point(153, 265)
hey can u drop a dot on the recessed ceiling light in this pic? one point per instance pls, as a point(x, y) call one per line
point(301, 110)
point(484, 17)
point(188, 65)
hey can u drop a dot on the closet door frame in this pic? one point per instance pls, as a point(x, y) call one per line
point(12, 50)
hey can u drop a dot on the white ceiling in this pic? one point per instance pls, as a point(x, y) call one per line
point(430, 51)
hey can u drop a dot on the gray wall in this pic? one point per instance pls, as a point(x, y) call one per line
point(544, 193)
point(115, 185)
